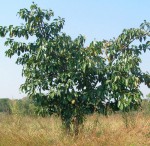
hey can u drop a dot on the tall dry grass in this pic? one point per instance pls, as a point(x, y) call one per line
point(97, 131)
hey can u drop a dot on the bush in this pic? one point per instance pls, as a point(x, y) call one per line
point(146, 107)
point(23, 106)
point(5, 105)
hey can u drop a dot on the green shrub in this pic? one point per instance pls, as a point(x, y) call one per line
point(23, 106)
point(5, 105)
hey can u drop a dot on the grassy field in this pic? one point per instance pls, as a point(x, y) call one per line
point(97, 131)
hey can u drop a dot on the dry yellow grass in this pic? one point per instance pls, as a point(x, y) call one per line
point(97, 131)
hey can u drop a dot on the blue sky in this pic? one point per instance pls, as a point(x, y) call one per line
point(96, 19)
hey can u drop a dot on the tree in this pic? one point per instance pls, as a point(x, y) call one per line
point(123, 73)
point(60, 73)
point(22, 106)
point(5, 105)
point(66, 78)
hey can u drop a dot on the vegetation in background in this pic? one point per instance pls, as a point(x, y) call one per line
point(25, 106)
point(146, 107)
point(5, 105)
point(148, 97)
point(22, 106)
point(66, 78)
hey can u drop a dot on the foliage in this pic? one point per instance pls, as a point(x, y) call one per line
point(5, 105)
point(123, 74)
point(148, 96)
point(66, 78)
point(22, 106)
point(146, 107)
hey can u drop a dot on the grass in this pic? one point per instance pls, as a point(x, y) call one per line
point(97, 131)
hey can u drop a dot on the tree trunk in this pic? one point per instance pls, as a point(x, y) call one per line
point(75, 123)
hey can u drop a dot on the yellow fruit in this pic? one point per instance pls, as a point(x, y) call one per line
point(73, 101)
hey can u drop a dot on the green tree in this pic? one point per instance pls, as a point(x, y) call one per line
point(123, 74)
point(66, 78)
point(61, 75)
point(22, 106)
point(5, 105)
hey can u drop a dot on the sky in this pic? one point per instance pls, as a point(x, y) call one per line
point(95, 19)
